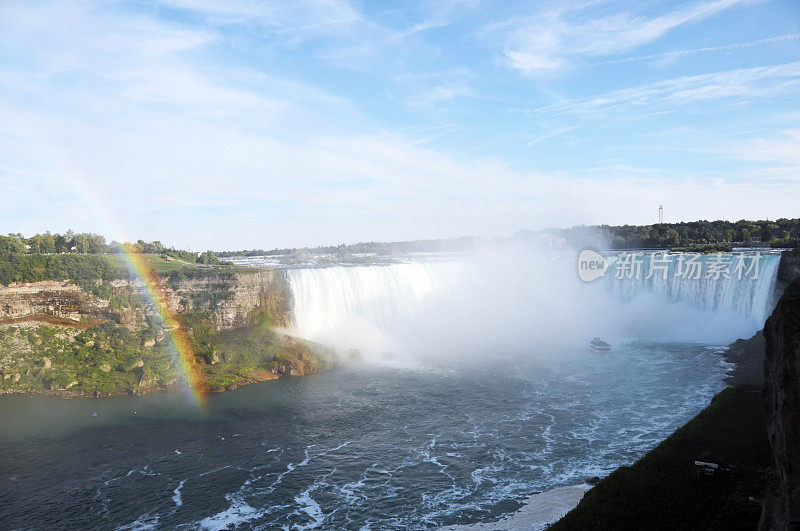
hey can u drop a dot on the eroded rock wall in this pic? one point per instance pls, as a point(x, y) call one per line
point(51, 298)
point(233, 299)
point(782, 402)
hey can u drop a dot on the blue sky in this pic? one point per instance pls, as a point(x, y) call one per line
point(217, 124)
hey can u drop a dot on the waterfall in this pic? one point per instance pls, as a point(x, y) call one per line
point(325, 298)
point(535, 294)
point(748, 291)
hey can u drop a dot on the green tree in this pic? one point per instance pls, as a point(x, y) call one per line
point(81, 243)
point(60, 244)
point(35, 244)
point(672, 238)
point(47, 244)
point(12, 244)
point(97, 244)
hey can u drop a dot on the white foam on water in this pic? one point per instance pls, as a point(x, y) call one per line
point(309, 507)
point(177, 494)
point(143, 523)
point(239, 512)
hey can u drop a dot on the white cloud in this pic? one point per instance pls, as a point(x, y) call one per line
point(740, 83)
point(123, 115)
point(550, 134)
point(783, 149)
point(440, 94)
point(306, 16)
point(555, 37)
point(669, 57)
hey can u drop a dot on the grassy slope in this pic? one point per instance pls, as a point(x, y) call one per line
point(106, 359)
point(231, 358)
point(161, 266)
point(663, 491)
point(113, 359)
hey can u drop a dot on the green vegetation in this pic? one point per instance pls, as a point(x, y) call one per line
point(663, 491)
point(780, 233)
point(115, 359)
point(92, 272)
point(83, 270)
point(228, 356)
point(705, 249)
point(105, 359)
point(47, 243)
point(89, 243)
point(689, 235)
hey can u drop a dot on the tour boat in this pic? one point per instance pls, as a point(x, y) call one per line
point(598, 345)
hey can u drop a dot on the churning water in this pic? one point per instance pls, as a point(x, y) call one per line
point(368, 446)
point(489, 395)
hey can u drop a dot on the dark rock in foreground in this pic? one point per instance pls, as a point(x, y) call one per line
point(782, 401)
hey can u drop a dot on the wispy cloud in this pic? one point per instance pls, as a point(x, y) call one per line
point(739, 83)
point(550, 134)
point(677, 54)
point(782, 149)
point(440, 94)
point(553, 38)
point(244, 124)
point(298, 15)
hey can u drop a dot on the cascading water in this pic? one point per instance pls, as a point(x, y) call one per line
point(529, 297)
point(741, 283)
point(325, 299)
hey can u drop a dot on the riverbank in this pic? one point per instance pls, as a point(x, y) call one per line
point(655, 474)
point(104, 336)
point(667, 490)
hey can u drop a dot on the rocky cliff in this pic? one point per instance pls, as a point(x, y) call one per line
point(230, 300)
point(782, 401)
point(103, 338)
point(51, 298)
point(789, 269)
point(233, 298)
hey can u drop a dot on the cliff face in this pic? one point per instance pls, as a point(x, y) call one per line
point(782, 401)
point(51, 298)
point(789, 269)
point(102, 339)
point(233, 299)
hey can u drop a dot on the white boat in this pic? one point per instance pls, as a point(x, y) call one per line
point(598, 345)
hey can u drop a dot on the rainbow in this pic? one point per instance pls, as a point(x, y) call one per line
point(155, 295)
point(137, 265)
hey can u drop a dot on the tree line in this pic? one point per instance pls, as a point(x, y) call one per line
point(89, 243)
point(782, 232)
point(54, 243)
